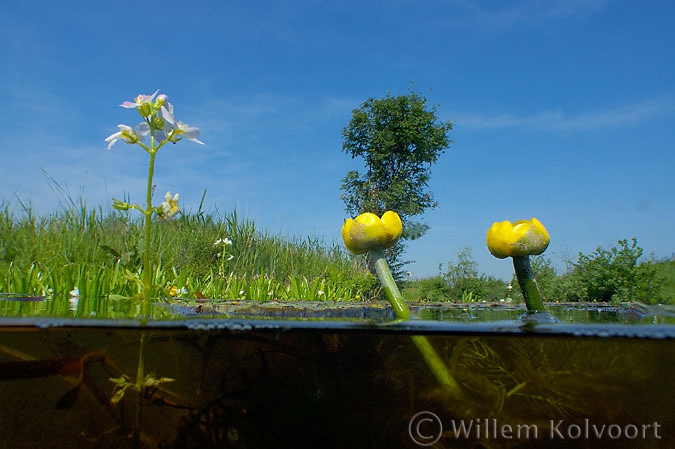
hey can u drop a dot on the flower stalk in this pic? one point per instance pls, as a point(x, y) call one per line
point(437, 366)
point(367, 232)
point(161, 126)
point(389, 286)
point(528, 284)
point(147, 263)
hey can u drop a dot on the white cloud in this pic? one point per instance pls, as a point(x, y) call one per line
point(469, 14)
point(559, 120)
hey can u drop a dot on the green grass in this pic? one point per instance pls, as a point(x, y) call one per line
point(99, 252)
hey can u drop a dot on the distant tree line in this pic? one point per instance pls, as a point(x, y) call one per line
point(608, 275)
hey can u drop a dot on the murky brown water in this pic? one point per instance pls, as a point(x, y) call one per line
point(257, 385)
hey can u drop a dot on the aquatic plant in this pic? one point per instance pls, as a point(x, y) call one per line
point(368, 232)
point(161, 126)
point(519, 240)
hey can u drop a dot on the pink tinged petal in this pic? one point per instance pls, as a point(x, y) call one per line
point(146, 98)
point(139, 100)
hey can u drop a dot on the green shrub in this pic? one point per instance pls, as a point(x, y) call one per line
point(613, 275)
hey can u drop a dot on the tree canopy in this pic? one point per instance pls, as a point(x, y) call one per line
point(399, 138)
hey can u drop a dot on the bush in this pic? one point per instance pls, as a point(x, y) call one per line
point(613, 275)
point(428, 289)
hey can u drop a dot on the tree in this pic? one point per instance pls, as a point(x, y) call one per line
point(464, 268)
point(464, 281)
point(398, 138)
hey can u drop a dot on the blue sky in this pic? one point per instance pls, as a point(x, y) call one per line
point(563, 110)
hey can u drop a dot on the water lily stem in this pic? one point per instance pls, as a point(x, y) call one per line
point(401, 311)
point(528, 284)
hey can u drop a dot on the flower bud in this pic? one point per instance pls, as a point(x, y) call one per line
point(159, 101)
point(145, 109)
point(120, 205)
point(522, 238)
point(368, 231)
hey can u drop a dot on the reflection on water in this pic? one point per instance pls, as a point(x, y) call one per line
point(256, 384)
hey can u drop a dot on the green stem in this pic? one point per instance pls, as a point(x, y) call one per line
point(401, 311)
point(528, 284)
point(389, 285)
point(147, 262)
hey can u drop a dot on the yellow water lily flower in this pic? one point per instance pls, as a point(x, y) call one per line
point(522, 238)
point(368, 231)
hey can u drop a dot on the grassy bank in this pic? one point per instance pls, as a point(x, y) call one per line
point(99, 253)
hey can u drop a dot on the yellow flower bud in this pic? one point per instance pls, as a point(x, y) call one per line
point(368, 231)
point(522, 238)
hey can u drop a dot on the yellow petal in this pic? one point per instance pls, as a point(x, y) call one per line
point(497, 239)
point(522, 238)
point(346, 229)
point(393, 226)
point(369, 231)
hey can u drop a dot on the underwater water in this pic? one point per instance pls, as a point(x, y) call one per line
point(209, 382)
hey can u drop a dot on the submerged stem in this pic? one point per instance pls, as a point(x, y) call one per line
point(140, 378)
point(401, 311)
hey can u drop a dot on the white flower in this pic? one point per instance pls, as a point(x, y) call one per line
point(140, 100)
point(126, 133)
point(178, 129)
point(224, 241)
point(144, 104)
